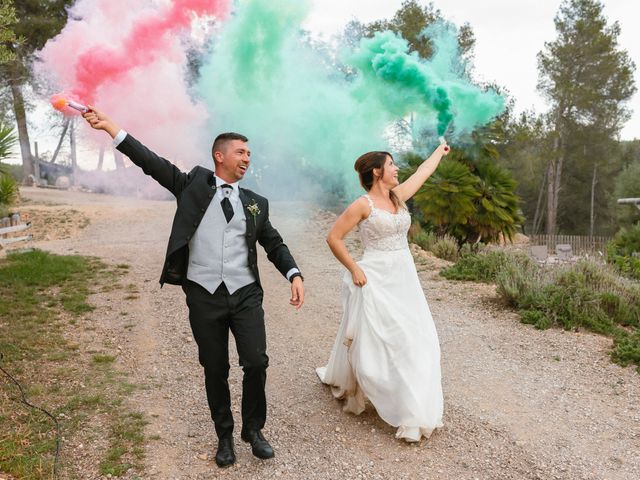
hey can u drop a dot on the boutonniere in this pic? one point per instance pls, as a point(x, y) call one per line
point(254, 210)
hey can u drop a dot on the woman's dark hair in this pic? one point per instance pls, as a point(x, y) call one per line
point(366, 163)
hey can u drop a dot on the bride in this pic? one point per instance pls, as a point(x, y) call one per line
point(387, 347)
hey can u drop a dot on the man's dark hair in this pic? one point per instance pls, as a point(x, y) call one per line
point(223, 138)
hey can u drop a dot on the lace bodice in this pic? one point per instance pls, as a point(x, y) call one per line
point(383, 230)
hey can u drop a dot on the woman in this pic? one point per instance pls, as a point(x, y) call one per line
point(387, 347)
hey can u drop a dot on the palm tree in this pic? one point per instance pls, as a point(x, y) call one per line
point(497, 209)
point(8, 187)
point(8, 140)
point(447, 199)
point(469, 196)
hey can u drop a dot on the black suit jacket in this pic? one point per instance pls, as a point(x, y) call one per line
point(194, 191)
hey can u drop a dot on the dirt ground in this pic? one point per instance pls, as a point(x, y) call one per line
point(519, 403)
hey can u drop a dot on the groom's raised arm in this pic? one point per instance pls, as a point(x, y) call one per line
point(160, 169)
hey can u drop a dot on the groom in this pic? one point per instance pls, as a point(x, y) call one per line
point(212, 255)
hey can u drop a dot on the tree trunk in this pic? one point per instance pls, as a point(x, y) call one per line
point(537, 216)
point(117, 157)
point(23, 131)
point(556, 188)
point(100, 158)
point(62, 135)
point(551, 211)
point(594, 181)
point(554, 176)
point(36, 162)
point(72, 145)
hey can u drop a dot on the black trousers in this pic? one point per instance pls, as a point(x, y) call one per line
point(211, 317)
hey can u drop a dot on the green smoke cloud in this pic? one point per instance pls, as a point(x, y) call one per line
point(404, 83)
point(304, 118)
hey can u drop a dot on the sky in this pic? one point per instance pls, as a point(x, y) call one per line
point(509, 34)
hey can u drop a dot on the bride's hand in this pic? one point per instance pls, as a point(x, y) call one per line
point(443, 149)
point(358, 276)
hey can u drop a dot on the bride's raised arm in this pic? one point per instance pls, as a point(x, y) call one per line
point(411, 185)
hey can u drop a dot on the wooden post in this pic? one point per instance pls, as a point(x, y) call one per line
point(5, 223)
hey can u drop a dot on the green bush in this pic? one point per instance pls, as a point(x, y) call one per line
point(8, 190)
point(626, 349)
point(484, 267)
point(446, 248)
point(623, 251)
point(626, 241)
point(629, 266)
point(584, 295)
point(424, 240)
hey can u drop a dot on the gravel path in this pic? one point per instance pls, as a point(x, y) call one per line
point(519, 403)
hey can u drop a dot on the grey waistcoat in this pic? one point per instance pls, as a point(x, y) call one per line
point(218, 250)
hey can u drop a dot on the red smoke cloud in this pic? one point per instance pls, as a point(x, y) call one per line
point(148, 39)
point(126, 57)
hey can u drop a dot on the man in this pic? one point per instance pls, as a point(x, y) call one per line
point(212, 255)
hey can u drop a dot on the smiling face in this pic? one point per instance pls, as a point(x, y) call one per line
point(232, 160)
point(388, 174)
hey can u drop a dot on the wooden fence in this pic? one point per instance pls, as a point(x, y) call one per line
point(9, 227)
point(580, 244)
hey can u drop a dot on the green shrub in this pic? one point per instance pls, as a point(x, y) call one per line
point(626, 241)
point(469, 249)
point(627, 265)
point(623, 251)
point(584, 295)
point(446, 248)
point(536, 318)
point(521, 282)
point(484, 267)
point(424, 240)
point(8, 190)
point(626, 349)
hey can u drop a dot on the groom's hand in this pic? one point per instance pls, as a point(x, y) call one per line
point(297, 292)
point(100, 121)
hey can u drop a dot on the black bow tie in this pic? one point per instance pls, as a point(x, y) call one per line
point(227, 208)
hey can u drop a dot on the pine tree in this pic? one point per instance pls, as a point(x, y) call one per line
point(587, 78)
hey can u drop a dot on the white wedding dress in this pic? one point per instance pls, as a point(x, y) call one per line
point(387, 346)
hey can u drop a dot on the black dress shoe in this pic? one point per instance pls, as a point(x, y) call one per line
point(225, 455)
point(259, 445)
